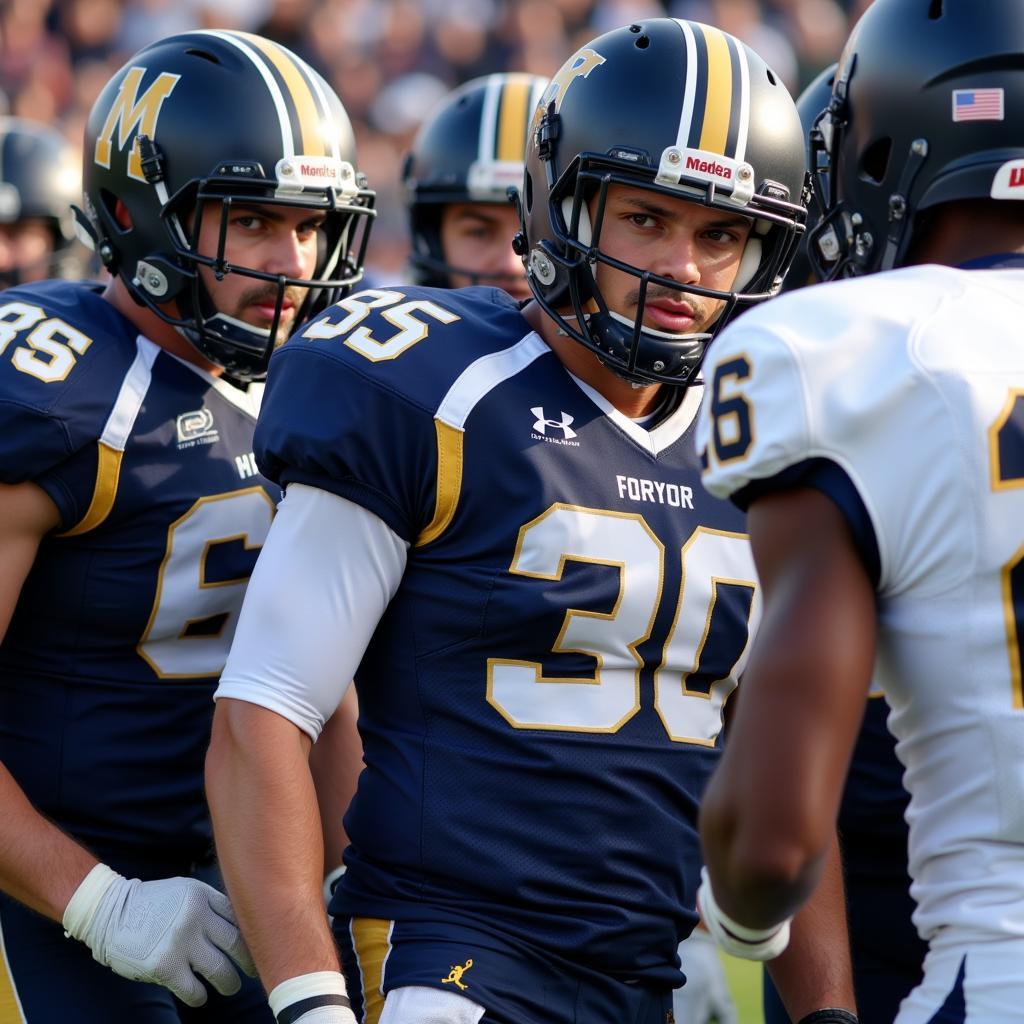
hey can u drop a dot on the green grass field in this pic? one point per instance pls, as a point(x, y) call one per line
point(745, 983)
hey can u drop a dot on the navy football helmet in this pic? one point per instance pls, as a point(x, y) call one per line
point(40, 177)
point(470, 150)
point(926, 109)
point(677, 108)
point(202, 120)
point(811, 105)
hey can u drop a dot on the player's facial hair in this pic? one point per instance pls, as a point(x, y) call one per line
point(266, 294)
point(702, 310)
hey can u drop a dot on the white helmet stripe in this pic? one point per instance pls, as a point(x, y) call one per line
point(690, 86)
point(744, 115)
point(287, 139)
point(489, 118)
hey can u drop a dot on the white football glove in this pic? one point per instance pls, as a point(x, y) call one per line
point(316, 998)
point(166, 931)
point(736, 939)
point(705, 996)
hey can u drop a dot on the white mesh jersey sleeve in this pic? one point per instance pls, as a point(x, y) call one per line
point(328, 570)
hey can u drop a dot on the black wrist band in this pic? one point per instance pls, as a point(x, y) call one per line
point(296, 1010)
point(830, 1015)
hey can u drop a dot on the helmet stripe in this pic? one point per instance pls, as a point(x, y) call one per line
point(719, 89)
point(689, 86)
point(489, 119)
point(512, 116)
point(328, 133)
point(739, 123)
point(311, 120)
point(283, 119)
point(700, 95)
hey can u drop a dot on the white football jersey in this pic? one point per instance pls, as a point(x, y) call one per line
point(912, 384)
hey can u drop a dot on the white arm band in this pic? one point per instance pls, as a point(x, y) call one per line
point(735, 938)
point(309, 996)
point(326, 574)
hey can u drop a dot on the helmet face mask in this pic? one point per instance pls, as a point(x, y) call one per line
point(637, 108)
point(640, 353)
point(192, 158)
point(471, 150)
point(924, 111)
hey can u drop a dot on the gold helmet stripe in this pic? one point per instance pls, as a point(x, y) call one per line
point(718, 92)
point(298, 80)
point(512, 115)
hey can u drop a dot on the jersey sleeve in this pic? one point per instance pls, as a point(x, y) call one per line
point(327, 422)
point(760, 430)
point(58, 381)
point(822, 389)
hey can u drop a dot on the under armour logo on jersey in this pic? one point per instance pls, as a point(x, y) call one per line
point(542, 424)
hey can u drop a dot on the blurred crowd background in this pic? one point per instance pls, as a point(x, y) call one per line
point(389, 60)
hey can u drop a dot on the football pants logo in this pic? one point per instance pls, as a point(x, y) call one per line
point(456, 973)
point(133, 113)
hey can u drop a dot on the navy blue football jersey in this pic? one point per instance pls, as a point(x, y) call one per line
point(541, 703)
point(124, 623)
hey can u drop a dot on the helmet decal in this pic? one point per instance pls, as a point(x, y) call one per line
point(129, 112)
point(580, 66)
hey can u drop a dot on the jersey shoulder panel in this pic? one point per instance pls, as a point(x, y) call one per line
point(64, 354)
point(359, 401)
point(834, 373)
point(414, 341)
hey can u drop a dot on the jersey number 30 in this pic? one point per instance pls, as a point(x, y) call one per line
point(710, 560)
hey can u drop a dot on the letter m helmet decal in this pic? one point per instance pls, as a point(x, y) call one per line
point(130, 113)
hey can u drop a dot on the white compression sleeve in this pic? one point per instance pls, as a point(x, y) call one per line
point(323, 580)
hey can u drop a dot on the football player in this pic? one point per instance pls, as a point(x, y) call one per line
point(886, 950)
point(493, 519)
point(875, 428)
point(40, 177)
point(221, 193)
point(457, 175)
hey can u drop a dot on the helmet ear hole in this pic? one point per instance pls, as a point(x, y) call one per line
point(874, 162)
